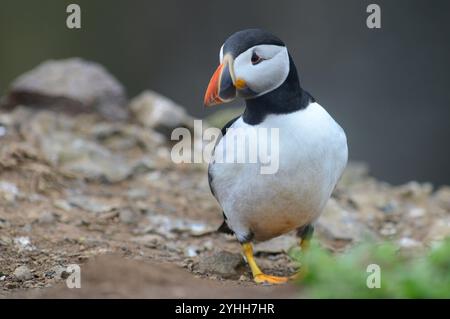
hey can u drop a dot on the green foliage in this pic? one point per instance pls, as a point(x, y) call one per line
point(402, 276)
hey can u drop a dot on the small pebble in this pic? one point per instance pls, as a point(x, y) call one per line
point(23, 273)
point(138, 193)
point(62, 204)
point(222, 263)
point(46, 218)
point(190, 251)
point(128, 216)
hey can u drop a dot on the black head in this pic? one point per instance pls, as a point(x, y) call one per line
point(241, 41)
point(256, 65)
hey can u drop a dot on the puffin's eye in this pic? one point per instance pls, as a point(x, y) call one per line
point(256, 58)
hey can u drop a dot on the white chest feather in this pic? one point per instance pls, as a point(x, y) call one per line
point(304, 164)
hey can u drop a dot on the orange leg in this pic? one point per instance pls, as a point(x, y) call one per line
point(258, 275)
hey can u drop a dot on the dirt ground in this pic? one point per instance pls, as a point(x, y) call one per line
point(118, 277)
point(135, 264)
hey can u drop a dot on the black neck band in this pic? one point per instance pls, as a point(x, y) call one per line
point(288, 97)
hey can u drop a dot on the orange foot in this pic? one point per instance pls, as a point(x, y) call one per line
point(268, 279)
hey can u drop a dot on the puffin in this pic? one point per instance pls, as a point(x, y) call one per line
point(311, 147)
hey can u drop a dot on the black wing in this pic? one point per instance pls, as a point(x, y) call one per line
point(224, 131)
point(224, 227)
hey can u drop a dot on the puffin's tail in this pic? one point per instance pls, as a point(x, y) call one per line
point(225, 229)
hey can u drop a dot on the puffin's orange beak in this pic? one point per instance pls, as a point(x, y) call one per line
point(221, 87)
point(212, 92)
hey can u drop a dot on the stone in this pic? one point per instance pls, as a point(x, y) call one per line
point(224, 264)
point(46, 218)
point(84, 157)
point(416, 212)
point(439, 230)
point(3, 130)
point(73, 85)
point(149, 240)
point(409, 243)
point(337, 223)
point(416, 191)
point(169, 227)
point(388, 229)
point(138, 193)
point(4, 224)
point(191, 251)
point(278, 245)
point(56, 272)
point(128, 216)
point(158, 112)
point(23, 273)
point(121, 137)
point(65, 143)
point(89, 204)
point(62, 204)
point(8, 191)
point(355, 172)
point(442, 197)
point(23, 243)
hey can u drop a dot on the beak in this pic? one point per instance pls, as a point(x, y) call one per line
point(221, 88)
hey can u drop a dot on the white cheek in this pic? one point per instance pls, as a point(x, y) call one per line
point(265, 76)
point(221, 54)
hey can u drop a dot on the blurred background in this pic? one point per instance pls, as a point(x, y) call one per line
point(388, 87)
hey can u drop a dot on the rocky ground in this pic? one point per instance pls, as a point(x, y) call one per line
point(79, 188)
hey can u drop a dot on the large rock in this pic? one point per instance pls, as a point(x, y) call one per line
point(94, 152)
point(73, 85)
point(155, 111)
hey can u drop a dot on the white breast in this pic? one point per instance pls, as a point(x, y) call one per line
point(312, 157)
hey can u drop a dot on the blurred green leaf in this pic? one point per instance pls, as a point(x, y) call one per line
point(345, 275)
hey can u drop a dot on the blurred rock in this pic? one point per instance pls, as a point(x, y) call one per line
point(4, 224)
point(337, 223)
point(56, 272)
point(73, 85)
point(409, 243)
point(415, 191)
point(75, 147)
point(46, 218)
point(191, 251)
point(158, 112)
point(439, 229)
point(84, 157)
point(223, 263)
point(2, 130)
point(149, 240)
point(8, 191)
point(277, 245)
point(388, 229)
point(23, 243)
point(354, 172)
point(128, 216)
point(120, 136)
point(442, 197)
point(90, 204)
point(23, 273)
point(138, 193)
point(169, 227)
point(416, 212)
point(62, 204)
